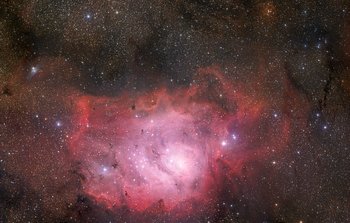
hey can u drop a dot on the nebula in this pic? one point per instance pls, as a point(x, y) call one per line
point(169, 150)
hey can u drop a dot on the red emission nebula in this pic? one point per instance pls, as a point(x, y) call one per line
point(170, 150)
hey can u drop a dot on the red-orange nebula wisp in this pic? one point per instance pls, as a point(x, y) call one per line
point(171, 148)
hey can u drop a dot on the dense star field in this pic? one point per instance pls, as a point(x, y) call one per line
point(174, 111)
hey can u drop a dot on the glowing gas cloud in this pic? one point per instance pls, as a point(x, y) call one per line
point(169, 150)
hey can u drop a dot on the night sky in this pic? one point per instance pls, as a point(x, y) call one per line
point(174, 111)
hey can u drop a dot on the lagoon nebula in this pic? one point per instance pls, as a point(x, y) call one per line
point(174, 111)
point(172, 148)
